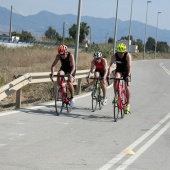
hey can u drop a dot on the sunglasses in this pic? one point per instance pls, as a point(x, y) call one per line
point(97, 59)
point(62, 53)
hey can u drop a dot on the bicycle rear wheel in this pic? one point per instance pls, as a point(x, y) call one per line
point(94, 99)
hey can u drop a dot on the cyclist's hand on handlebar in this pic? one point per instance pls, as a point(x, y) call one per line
point(51, 76)
point(88, 80)
point(108, 78)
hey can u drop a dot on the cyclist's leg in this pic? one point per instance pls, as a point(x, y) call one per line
point(60, 72)
point(127, 88)
point(71, 90)
point(118, 74)
point(104, 89)
point(96, 75)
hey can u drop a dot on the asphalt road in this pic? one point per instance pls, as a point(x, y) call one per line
point(33, 138)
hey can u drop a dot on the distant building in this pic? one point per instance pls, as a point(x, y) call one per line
point(15, 39)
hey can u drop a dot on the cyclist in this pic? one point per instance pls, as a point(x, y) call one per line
point(100, 65)
point(122, 59)
point(67, 68)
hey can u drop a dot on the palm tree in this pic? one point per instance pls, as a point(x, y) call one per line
point(84, 31)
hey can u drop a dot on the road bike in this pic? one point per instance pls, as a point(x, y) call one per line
point(120, 100)
point(61, 98)
point(97, 95)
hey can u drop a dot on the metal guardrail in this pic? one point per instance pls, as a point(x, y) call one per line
point(31, 78)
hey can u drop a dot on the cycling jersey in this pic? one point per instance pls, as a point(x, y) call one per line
point(100, 67)
point(121, 63)
point(121, 66)
point(66, 65)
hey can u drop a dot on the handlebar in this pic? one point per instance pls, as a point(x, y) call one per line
point(62, 76)
point(114, 79)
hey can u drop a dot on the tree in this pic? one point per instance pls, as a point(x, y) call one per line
point(51, 34)
point(84, 31)
point(150, 44)
point(162, 47)
point(72, 31)
point(139, 43)
point(27, 36)
point(110, 40)
point(24, 36)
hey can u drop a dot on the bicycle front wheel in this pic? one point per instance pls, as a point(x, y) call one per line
point(94, 100)
point(58, 105)
point(116, 107)
point(100, 98)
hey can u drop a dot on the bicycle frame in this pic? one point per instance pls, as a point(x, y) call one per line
point(122, 94)
point(63, 101)
point(96, 94)
point(120, 98)
point(120, 88)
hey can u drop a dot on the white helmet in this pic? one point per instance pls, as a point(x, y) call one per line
point(97, 55)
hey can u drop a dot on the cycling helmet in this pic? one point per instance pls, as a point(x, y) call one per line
point(121, 48)
point(62, 49)
point(97, 55)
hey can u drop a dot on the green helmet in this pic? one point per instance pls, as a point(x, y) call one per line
point(121, 48)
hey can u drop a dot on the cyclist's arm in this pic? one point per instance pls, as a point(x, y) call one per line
point(129, 60)
point(91, 68)
point(54, 63)
point(113, 61)
point(72, 62)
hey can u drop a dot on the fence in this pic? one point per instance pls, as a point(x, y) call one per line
point(30, 78)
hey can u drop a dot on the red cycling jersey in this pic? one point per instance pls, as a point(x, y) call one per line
point(99, 66)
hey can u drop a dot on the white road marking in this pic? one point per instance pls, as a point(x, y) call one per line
point(43, 105)
point(143, 148)
point(113, 161)
point(167, 71)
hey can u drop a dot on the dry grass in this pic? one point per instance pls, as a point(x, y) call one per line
point(19, 61)
point(16, 61)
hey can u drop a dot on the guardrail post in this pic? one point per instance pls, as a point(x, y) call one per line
point(18, 98)
point(78, 89)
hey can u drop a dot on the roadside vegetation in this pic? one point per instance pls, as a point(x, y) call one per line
point(19, 61)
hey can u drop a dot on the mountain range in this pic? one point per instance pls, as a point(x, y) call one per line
point(101, 28)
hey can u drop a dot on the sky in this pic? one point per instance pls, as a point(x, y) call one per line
point(98, 8)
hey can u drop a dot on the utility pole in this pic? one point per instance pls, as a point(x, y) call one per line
point(10, 28)
point(77, 34)
point(114, 45)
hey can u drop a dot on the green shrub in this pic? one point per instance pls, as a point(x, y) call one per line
point(1, 80)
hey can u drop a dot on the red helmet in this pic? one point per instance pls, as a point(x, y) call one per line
point(62, 49)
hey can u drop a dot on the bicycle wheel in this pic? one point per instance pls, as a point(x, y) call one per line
point(58, 103)
point(94, 99)
point(58, 106)
point(116, 107)
point(100, 98)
